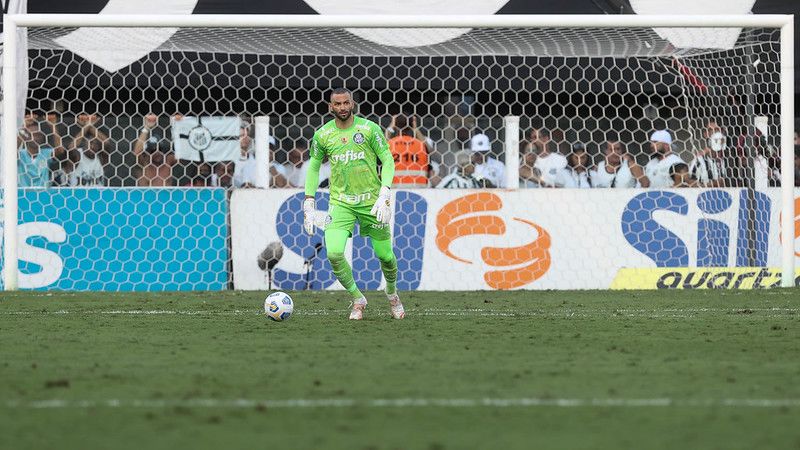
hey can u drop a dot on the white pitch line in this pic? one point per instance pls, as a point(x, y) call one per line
point(241, 403)
point(444, 312)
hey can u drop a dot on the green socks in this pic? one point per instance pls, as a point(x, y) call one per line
point(344, 274)
point(335, 241)
point(383, 250)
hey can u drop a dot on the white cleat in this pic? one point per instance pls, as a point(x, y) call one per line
point(357, 313)
point(397, 308)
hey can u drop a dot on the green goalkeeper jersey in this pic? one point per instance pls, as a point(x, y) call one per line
point(353, 154)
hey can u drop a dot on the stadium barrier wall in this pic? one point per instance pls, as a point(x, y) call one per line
point(119, 239)
point(529, 239)
point(177, 239)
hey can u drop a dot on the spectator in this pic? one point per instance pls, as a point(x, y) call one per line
point(33, 122)
point(395, 129)
point(87, 146)
point(154, 158)
point(681, 177)
point(278, 173)
point(33, 161)
point(295, 172)
point(410, 154)
point(204, 176)
point(436, 167)
point(766, 169)
point(658, 169)
point(540, 136)
point(61, 166)
point(434, 173)
point(576, 174)
point(46, 135)
point(87, 128)
point(529, 175)
point(549, 163)
point(532, 143)
point(618, 169)
point(30, 123)
point(708, 165)
point(463, 177)
point(246, 169)
point(223, 171)
point(544, 139)
point(797, 165)
point(486, 167)
point(455, 125)
point(89, 169)
point(755, 155)
point(562, 145)
point(296, 177)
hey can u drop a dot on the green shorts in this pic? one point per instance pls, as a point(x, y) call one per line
point(344, 218)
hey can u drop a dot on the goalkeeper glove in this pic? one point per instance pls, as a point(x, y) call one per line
point(309, 208)
point(382, 209)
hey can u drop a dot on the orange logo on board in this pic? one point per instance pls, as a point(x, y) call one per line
point(796, 224)
point(451, 225)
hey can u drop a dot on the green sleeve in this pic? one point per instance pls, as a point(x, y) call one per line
point(381, 148)
point(316, 155)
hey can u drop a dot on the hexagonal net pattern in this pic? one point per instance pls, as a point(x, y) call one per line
point(598, 108)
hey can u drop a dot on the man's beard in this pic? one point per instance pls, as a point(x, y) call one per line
point(344, 115)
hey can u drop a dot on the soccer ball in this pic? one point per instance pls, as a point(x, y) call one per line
point(279, 306)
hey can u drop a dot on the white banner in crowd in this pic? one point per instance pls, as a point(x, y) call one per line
point(206, 138)
point(528, 239)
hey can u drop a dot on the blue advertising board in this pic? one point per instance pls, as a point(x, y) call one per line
point(123, 239)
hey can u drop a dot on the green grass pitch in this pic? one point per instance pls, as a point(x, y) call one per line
point(497, 370)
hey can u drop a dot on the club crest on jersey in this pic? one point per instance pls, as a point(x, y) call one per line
point(358, 138)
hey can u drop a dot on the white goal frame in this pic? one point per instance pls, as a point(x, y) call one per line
point(13, 22)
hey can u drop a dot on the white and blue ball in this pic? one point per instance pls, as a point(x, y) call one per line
point(279, 306)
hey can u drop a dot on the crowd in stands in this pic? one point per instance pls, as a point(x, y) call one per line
point(54, 154)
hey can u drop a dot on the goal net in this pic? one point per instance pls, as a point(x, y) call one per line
point(173, 158)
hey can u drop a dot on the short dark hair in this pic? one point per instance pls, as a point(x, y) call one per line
point(605, 146)
point(401, 122)
point(340, 90)
point(552, 147)
point(678, 168)
point(96, 145)
point(39, 138)
point(544, 132)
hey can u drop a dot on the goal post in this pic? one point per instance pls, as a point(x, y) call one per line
point(511, 126)
point(8, 153)
point(787, 153)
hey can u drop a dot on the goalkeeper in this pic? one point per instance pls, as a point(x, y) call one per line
point(353, 145)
